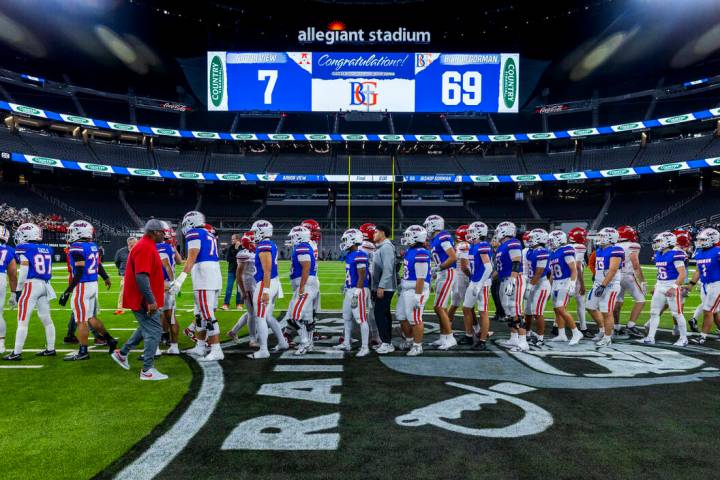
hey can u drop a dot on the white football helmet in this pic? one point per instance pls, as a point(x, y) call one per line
point(4, 233)
point(299, 235)
point(262, 229)
point(505, 229)
point(351, 237)
point(192, 220)
point(556, 239)
point(707, 238)
point(28, 232)
point(414, 234)
point(664, 240)
point(80, 229)
point(607, 236)
point(476, 231)
point(537, 237)
point(434, 223)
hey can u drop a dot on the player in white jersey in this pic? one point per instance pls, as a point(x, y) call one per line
point(8, 277)
point(462, 280)
point(537, 292)
point(303, 277)
point(441, 245)
point(368, 246)
point(245, 276)
point(203, 266)
point(315, 236)
point(632, 281)
point(578, 241)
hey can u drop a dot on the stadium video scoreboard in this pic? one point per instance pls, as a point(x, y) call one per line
point(375, 82)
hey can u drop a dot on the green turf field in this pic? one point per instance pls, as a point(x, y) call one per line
point(73, 420)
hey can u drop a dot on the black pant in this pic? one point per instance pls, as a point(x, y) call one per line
point(383, 316)
point(495, 292)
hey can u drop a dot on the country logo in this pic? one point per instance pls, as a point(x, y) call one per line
point(363, 93)
point(582, 131)
point(569, 176)
point(540, 136)
point(317, 136)
point(188, 175)
point(44, 161)
point(123, 126)
point(216, 81)
point(94, 167)
point(230, 176)
point(464, 138)
point(509, 86)
point(669, 167)
point(29, 110)
point(354, 137)
point(391, 138)
point(243, 136)
point(144, 172)
point(484, 178)
point(166, 131)
point(76, 119)
point(675, 119)
point(525, 178)
point(205, 134)
point(627, 126)
point(617, 172)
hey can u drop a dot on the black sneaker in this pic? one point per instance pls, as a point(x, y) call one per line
point(587, 333)
point(71, 339)
point(634, 331)
point(465, 340)
point(696, 340)
point(77, 356)
point(46, 353)
point(693, 325)
point(555, 330)
point(13, 357)
point(538, 342)
point(480, 345)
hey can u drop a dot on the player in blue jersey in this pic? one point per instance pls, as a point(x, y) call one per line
point(564, 272)
point(267, 288)
point(609, 259)
point(414, 288)
point(478, 290)
point(169, 257)
point(671, 275)
point(8, 277)
point(537, 291)
point(34, 287)
point(357, 291)
point(86, 265)
point(202, 264)
point(707, 258)
point(443, 261)
point(509, 270)
point(303, 278)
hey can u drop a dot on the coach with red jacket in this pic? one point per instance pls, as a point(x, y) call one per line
point(144, 294)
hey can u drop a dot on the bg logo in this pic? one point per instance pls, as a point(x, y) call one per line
point(363, 93)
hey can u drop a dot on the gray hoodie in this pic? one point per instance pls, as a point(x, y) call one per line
point(383, 267)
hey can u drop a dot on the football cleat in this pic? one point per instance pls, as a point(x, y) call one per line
point(586, 333)
point(693, 325)
point(559, 338)
point(538, 342)
point(281, 347)
point(646, 341)
point(341, 346)
point(385, 348)
point(77, 356)
point(120, 359)
point(196, 351)
point(259, 355)
point(522, 346)
point(681, 342)
point(173, 350)
point(465, 340)
point(480, 345)
point(152, 375)
point(576, 337)
point(213, 356)
point(414, 351)
point(363, 352)
point(697, 341)
point(599, 336)
point(634, 331)
point(605, 341)
point(555, 330)
point(13, 357)
point(46, 353)
point(253, 343)
point(449, 343)
point(70, 339)
point(510, 343)
point(437, 342)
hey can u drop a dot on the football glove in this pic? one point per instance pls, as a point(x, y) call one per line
point(354, 298)
point(599, 290)
point(510, 288)
point(177, 284)
point(64, 298)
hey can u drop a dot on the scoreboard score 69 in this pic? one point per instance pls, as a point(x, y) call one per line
point(335, 81)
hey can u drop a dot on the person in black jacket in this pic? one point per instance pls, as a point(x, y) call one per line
point(231, 258)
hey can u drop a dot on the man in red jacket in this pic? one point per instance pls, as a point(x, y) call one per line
point(144, 294)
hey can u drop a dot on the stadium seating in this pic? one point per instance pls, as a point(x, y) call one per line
point(492, 165)
point(363, 165)
point(187, 160)
point(226, 163)
point(672, 150)
point(300, 164)
point(633, 208)
point(552, 163)
point(122, 155)
point(607, 158)
point(170, 204)
point(54, 147)
point(554, 209)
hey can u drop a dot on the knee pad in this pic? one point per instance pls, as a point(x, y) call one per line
point(213, 328)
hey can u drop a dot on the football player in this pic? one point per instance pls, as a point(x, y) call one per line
point(315, 236)
point(8, 277)
point(671, 274)
point(368, 246)
point(203, 266)
point(578, 241)
point(632, 282)
point(707, 258)
point(538, 285)
point(86, 265)
point(357, 291)
point(478, 291)
point(443, 255)
point(564, 274)
point(509, 269)
point(303, 278)
point(169, 257)
point(34, 286)
point(267, 287)
point(245, 276)
point(462, 280)
point(609, 259)
point(414, 288)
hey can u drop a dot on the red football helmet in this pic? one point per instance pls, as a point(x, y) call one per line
point(170, 236)
point(248, 241)
point(368, 231)
point(461, 232)
point(526, 237)
point(627, 234)
point(578, 235)
point(314, 228)
point(210, 228)
point(684, 239)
